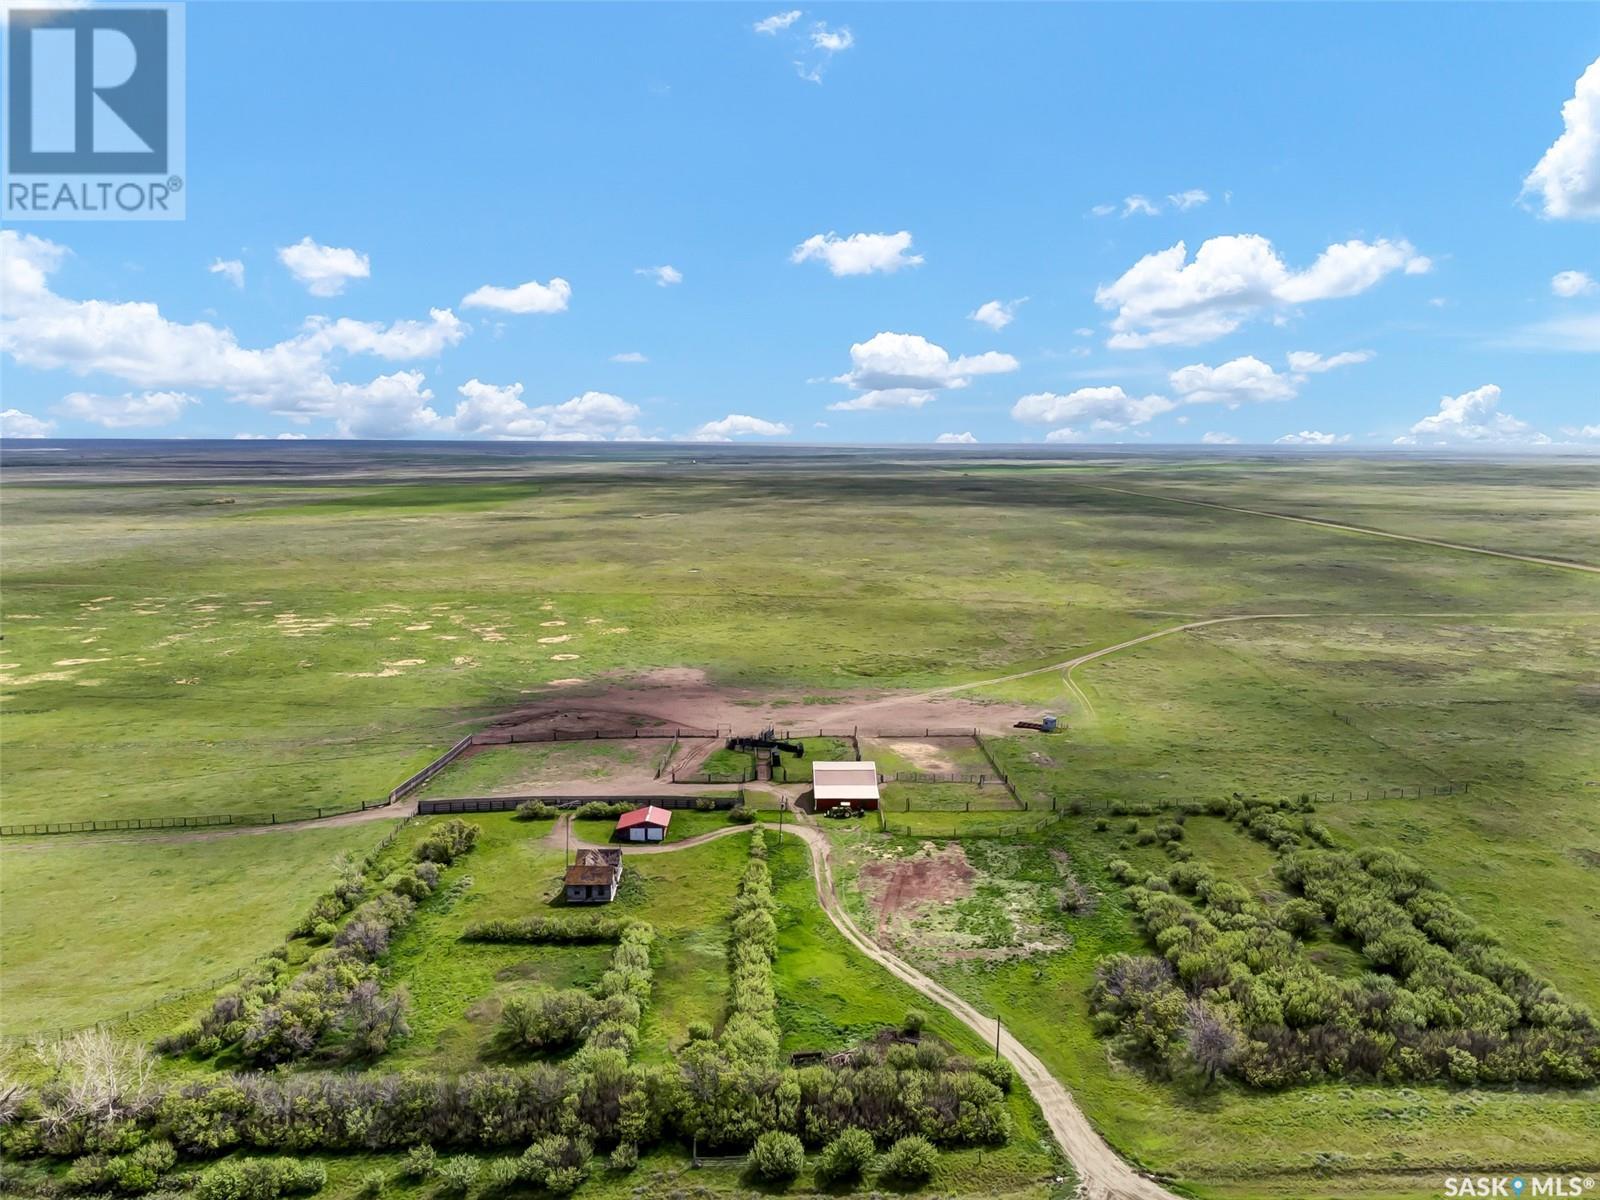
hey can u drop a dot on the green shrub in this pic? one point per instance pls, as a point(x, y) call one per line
point(140, 1170)
point(700, 1031)
point(373, 1183)
point(741, 816)
point(533, 810)
point(911, 1160)
point(625, 1157)
point(557, 1163)
point(846, 1158)
point(913, 1022)
point(260, 1179)
point(420, 1163)
point(447, 842)
point(998, 1072)
point(777, 1157)
point(457, 1174)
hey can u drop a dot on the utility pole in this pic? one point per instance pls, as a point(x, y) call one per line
point(566, 854)
point(783, 806)
point(997, 1037)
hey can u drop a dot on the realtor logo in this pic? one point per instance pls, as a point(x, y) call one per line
point(93, 112)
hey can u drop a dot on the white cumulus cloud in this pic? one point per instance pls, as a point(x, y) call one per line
point(324, 270)
point(996, 314)
point(776, 22)
point(902, 370)
point(739, 425)
point(1140, 205)
point(1184, 201)
point(1311, 437)
point(1241, 381)
point(1165, 299)
point(956, 439)
point(133, 343)
point(14, 423)
point(1568, 284)
point(530, 297)
point(860, 253)
point(230, 269)
point(131, 410)
point(629, 356)
point(1567, 178)
point(1218, 439)
point(1474, 416)
point(664, 275)
point(1107, 408)
point(1308, 362)
point(494, 411)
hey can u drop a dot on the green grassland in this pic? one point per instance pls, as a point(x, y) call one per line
point(539, 766)
point(312, 643)
point(95, 927)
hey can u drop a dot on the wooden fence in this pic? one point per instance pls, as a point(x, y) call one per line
point(432, 769)
point(476, 804)
point(204, 821)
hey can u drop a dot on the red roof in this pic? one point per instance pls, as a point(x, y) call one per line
point(650, 815)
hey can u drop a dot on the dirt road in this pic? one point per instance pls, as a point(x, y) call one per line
point(1102, 1174)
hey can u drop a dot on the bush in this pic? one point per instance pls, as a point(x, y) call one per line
point(373, 1183)
point(549, 1020)
point(846, 1158)
point(557, 1163)
point(447, 842)
point(599, 810)
point(140, 1170)
point(700, 1031)
point(911, 1160)
point(421, 1162)
point(741, 816)
point(457, 1175)
point(998, 1072)
point(533, 810)
point(914, 1020)
point(625, 1157)
point(260, 1179)
point(777, 1157)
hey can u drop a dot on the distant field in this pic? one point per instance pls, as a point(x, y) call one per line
point(315, 641)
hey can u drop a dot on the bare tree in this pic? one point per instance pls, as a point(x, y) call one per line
point(95, 1081)
point(1212, 1040)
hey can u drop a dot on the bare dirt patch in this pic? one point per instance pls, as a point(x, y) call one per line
point(899, 890)
point(925, 755)
point(682, 697)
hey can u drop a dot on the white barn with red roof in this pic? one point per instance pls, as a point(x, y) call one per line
point(648, 824)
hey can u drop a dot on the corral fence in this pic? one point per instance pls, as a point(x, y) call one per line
point(920, 733)
point(938, 777)
point(712, 777)
point(504, 737)
point(204, 821)
point(676, 800)
point(432, 769)
point(958, 833)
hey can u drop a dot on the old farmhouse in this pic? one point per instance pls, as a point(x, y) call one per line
point(594, 877)
point(844, 785)
point(644, 824)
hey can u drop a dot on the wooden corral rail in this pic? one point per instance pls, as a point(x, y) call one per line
point(432, 769)
point(472, 804)
point(204, 821)
point(503, 737)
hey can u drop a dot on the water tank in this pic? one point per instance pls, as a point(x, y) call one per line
point(1049, 723)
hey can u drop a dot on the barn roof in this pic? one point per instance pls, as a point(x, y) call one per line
point(649, 815)
point(844, 780)
point(600, 856)
point(589, 875)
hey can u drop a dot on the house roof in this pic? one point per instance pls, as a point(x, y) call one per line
point(844, 780)
point(589, 875)
point(599, 857)
point(649, 815)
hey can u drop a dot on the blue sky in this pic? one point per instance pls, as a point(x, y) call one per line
point(1333, 224)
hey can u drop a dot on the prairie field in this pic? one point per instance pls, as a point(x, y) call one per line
point(227, 631)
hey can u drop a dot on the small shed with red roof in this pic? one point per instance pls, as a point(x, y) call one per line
point(648, 824)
